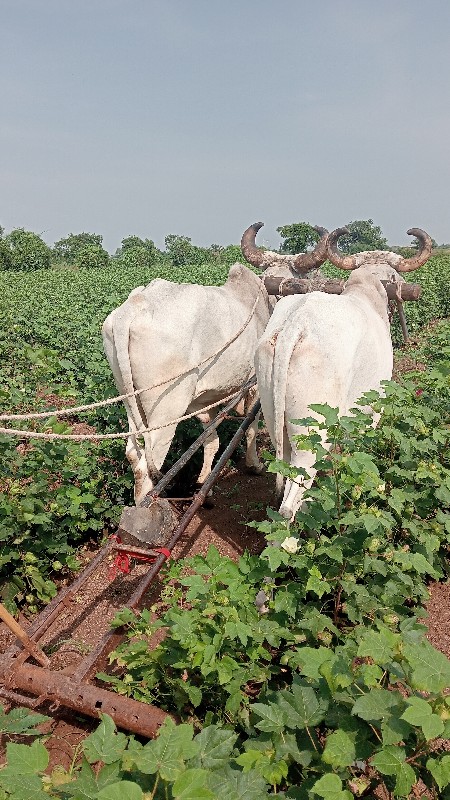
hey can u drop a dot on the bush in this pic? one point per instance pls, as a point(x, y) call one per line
point(137, 256)
point(24, 250)
point(92, 256)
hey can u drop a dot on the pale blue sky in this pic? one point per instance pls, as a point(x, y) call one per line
point(199, 117)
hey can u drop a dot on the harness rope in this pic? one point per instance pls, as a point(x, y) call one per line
point(125, 435)
point(112, 400)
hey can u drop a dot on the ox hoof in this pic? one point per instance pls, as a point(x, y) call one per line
point(255, 470)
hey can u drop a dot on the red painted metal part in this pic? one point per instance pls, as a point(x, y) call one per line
point(30, 685)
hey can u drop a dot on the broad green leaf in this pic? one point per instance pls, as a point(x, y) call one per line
point(192, 785)
point(316, 583)
point(23, 759)
point(440, 770)
point(430, 668)
point(330, 788)
point(420, 713)
point(20, 720)
point(377, 704)
point(394, 730)
point(216, 746)
point(167, 754)
point(310, 659)
point(123, 790)
point(272, 717)
point(105, 744)
point(22, 786)
point(301, 706)
point(379, 645)
point(392, 761)
point(231, 784)
point(339, 749)
point(88, 783)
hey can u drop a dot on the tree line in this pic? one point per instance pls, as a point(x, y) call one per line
point(26, 250)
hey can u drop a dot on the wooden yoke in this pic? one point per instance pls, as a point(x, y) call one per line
point(287, 286)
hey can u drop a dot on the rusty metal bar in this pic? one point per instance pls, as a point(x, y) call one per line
point(55, 687)
point(110, 640)
point(64, 597)
point(408, 291)
point(175, 469)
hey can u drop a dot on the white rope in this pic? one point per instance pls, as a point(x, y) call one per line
point(112, 400)
point(96, 437)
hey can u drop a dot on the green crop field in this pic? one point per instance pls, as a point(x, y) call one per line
point(331, 693)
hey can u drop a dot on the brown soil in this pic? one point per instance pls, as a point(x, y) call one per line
point(238, 499)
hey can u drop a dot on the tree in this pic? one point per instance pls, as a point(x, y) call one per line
point(68, 248)
point(24, 250)
point(182, 252)
point(364, 235)
point(92, 256)
point(134, 250)
point(298, 237)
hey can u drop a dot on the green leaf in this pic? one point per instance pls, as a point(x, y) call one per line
point(301, 706)
point(316, 583)
point(272, 717)
point(310, 659)
point(377, 704)
point(440, 770)
point(430, 668)
point(167, 754)
point(379, 645)
point(20, 720)
point(22, 787)
point(192, 785)
point(216, 746)
point(231, 784)
point(105, 744)
point(24, 759)
point(420, 713)
point(392, 761)
point(339, 749)
point(330, 788)
point(123, 790)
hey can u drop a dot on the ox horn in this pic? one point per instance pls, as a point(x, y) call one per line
point(263, 259)
point(425, 248)
point(337, 258)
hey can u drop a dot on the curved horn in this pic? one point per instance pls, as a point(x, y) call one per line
point(306, 261)
point(426, 245)
point(336, 258)
point(248, 246)
point(265, 258)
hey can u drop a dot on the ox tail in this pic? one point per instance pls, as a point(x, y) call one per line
point(123, 317)
point(285, 344)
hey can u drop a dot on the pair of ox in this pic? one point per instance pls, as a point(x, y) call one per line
point(177, 348)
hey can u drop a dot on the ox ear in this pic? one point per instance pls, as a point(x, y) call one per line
point(337, 258)
point(423, 254)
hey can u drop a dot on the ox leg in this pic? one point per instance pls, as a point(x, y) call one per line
point(210, 447)
point(252, 462)
point(302, 459)
point(143, 484)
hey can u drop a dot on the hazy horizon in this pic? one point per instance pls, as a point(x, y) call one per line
point(161, 116)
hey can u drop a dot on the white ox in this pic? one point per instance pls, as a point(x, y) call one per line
point(160, 340)
point(321, 348)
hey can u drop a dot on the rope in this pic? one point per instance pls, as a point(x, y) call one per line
point(112, 400)
point(97, 437)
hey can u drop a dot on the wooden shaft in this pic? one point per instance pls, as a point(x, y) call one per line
point(287, 286)
point(19, 632)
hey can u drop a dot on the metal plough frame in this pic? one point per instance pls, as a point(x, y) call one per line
point(29, 685)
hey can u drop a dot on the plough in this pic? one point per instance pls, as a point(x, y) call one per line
point(30, 685)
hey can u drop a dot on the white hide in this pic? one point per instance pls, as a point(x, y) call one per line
point(166, 329)
point(322, 348)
